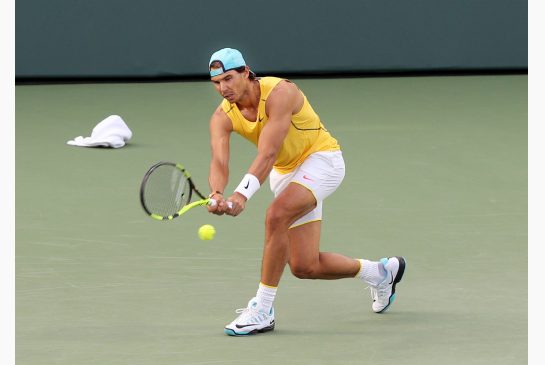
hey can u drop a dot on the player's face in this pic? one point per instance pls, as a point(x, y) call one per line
point(230, 85)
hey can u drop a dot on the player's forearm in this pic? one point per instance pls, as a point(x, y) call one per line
point(262, 165)
point(270, 143)
point(218, 176)
point(254, 178)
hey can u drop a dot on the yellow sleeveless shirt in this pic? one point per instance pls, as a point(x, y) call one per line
point(306, 135)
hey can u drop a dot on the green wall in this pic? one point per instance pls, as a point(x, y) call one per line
point(167, 38)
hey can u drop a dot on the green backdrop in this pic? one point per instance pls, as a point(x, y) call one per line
point(168, 38)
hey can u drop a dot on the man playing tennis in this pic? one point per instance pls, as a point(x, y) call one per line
point(304, 164)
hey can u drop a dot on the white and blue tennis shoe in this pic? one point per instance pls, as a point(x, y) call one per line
point(384, 293)
point(251, 321)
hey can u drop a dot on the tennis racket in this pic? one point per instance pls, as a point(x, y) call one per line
point(166, 191)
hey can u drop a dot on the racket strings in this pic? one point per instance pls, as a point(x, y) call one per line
point(166, 191)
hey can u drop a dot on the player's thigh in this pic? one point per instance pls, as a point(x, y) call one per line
point(304, 246)
point(292, 203)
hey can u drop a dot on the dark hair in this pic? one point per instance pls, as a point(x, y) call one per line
point(241, 69)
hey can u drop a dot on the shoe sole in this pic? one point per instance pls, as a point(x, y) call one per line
point(397, 279)
point(231, 332)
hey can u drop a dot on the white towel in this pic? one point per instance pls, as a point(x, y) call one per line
point(111, 132)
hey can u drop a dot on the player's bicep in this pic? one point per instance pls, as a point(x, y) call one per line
point(279, 110)
point(273, 136)
point(220, 131)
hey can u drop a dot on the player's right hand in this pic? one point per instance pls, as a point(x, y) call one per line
point(220, 208)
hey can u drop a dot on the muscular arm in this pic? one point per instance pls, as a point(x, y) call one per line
point(283, 101)
point(220, 131)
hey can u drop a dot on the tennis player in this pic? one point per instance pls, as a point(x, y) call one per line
point(304, 164)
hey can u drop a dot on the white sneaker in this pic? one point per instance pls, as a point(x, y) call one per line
point(250, 321)
point(384, 293)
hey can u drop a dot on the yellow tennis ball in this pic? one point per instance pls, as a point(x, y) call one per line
point(207, 232)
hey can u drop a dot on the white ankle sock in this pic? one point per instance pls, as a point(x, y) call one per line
point(265, 297)
point(372, 272)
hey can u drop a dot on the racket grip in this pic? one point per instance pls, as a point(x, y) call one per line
point(212, 203)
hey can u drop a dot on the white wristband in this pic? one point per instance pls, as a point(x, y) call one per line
point(248, 186)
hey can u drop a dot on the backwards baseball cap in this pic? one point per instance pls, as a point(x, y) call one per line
point(229, 59)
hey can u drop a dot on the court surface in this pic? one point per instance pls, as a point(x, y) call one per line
point(436, 172)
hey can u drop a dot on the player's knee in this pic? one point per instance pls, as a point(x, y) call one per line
point(302, 271)
point(276, 217)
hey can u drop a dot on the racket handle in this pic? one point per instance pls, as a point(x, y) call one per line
point(212, 203)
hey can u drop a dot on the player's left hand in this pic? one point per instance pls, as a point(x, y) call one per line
point(238, 202)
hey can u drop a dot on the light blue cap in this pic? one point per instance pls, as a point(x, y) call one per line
point(229, 58)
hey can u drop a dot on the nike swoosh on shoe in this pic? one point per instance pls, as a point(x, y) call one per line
point(245, 325)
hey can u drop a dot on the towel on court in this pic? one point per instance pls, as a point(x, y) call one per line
point(111, 132)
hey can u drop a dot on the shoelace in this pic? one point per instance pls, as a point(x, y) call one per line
point(372, 291)
point(375, 291)
point(247, 315)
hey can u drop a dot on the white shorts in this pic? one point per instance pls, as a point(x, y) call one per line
point(321, 173)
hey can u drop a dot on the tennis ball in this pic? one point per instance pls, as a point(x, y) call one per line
point(207, 232)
